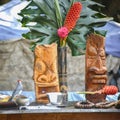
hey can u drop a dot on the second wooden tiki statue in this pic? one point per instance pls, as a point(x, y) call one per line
point(96, 70)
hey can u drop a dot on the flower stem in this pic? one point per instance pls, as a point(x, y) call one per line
point(87, 92)
point(63, 42)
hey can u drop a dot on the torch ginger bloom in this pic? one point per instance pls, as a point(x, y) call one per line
point(108, 90)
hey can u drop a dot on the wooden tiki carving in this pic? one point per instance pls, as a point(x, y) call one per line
point(45, 71)
point(96, 70)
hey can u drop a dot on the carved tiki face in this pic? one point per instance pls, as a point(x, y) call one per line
point(95, 66)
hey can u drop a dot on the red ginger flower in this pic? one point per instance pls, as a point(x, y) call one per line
point(109, 90)
point(72, 16)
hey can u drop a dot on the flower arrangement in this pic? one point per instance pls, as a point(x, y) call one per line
point(58, 21)
point(70, 22)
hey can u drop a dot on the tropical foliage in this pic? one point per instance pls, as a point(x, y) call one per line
point(42, 18)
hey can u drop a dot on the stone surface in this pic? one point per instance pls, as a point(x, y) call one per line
point(16, 62)
point(76, 72)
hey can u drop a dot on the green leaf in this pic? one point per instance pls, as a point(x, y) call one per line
point(101, 32)
point(58, 13)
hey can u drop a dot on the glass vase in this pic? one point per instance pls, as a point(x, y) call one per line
point(62, 68)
